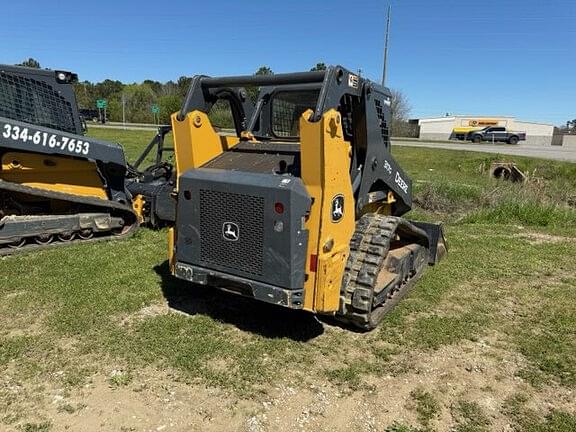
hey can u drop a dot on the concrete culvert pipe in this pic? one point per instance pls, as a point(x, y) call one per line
point(507, 171)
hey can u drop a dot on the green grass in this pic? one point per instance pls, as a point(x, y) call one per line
point(426, 406)
point(470, 417)
point(403, 428)
point(36, 427)
point(133, 141)
point(527, 420)
point(82, 310)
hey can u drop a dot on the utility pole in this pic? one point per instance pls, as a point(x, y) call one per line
point(384, 70)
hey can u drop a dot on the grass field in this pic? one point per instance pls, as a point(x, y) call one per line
point(100, 337)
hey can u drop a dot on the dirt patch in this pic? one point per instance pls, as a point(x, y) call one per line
point(540, 238)
point(146, 312)
point(482, 372)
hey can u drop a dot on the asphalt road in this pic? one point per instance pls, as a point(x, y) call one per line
point(129, 126)
point(559, 153)
point(567, 154)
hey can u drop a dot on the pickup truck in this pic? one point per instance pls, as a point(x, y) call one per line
point(496, 133)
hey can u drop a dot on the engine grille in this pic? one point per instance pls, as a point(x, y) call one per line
point(247, 212)
point(35, 102)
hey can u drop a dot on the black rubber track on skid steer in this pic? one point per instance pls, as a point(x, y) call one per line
point(361, 302)
point(126, 212)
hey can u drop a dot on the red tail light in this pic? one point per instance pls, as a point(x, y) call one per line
point(313, 263)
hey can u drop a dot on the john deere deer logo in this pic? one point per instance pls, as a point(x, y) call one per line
point(230, 231)
point(337, 208)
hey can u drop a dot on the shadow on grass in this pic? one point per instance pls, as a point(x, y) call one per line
point(245, 313)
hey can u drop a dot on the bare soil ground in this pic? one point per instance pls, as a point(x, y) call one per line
point(483, 372)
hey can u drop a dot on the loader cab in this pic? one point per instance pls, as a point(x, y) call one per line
point(276, 121)
point(41, 97)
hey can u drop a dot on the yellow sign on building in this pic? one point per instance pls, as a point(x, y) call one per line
point(482, 123)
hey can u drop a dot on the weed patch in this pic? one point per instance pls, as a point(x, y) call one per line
point(470, 417)
point(526, 420)
point(426, 406)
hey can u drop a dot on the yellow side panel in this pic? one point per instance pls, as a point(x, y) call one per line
point(196, 142)
point(171, 249)
point(230, 140)
point(325, 159)
point(53, 173)
point(329, 278)
point(311, 166)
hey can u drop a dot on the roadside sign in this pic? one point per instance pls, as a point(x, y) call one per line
point(155, 109)
point(101, 103)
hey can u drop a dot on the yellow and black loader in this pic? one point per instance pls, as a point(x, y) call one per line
point(58, 186)
point(302, 206)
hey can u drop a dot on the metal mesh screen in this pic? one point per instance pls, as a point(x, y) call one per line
point(34, 101)
point(287, 107)
point(247, 212)
point(381, 116)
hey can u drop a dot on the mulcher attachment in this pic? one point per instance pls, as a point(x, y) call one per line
point(387, 256)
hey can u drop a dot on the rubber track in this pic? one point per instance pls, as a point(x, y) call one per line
point(126, 210)
point(369, 246)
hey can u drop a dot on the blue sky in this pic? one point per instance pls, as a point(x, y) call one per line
point(507, 57)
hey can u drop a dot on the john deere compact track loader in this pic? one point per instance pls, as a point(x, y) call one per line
point(302, 206)
point(58, 186)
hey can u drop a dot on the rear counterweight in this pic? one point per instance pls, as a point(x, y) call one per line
point(244, 228)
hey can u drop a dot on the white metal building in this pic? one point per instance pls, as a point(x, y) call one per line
point(442, 128)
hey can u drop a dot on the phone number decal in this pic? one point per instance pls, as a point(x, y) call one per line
point(71, 145)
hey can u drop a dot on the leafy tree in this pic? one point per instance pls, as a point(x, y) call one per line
point(108, 88)
point(139, 99)
point(156, 86)
point(252, 90)
point(319, 67)
point(169, 88)
point(183, 84)
point(168, 105)
point(33, 63)
point(264, 70)
point(114, 110)
point(85, 94)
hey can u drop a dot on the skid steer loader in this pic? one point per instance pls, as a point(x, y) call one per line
point(58, 186)
point(301, 208)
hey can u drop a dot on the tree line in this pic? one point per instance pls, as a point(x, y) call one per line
point(137, 100)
